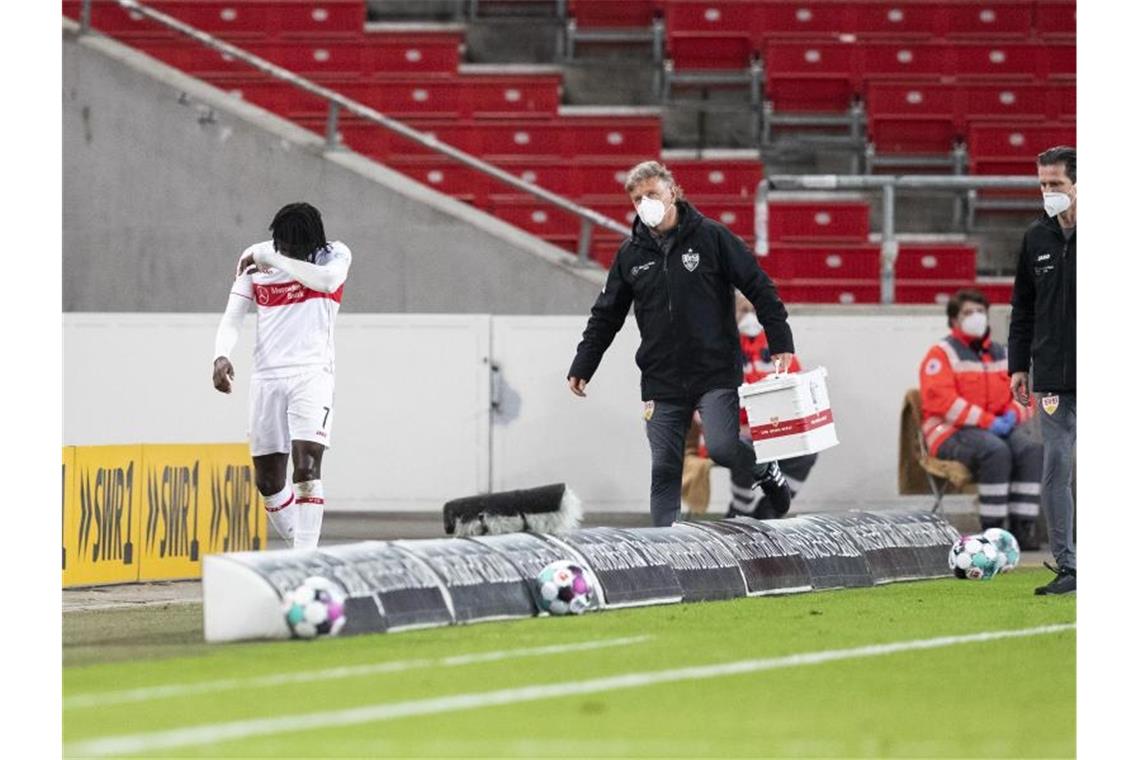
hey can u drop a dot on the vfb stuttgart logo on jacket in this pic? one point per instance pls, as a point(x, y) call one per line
point(691, 259)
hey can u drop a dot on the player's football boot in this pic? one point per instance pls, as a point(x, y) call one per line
point(1064, 583)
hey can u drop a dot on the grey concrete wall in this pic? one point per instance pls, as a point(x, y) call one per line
point(166, 180)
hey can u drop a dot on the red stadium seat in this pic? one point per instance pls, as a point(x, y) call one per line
point(810, 76)
point(1005, 102)
point(710, 16)
point(828, 291)
point(819, 221)
point(1055, 19)
point(902, 60)
point(606, 14)
point(699, 50)
point(938, 292)
point(912, 117)
point(935, 261)
point(998, 289)
point(231, 19)
point(1008, 61)
point(803, 18)
point(371, 56)
point(853, 261)
point(990, 20)
point(712, 176)
point(897, 20)
point(1013, 148)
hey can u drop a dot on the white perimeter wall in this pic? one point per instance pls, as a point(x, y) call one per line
point(422, 418)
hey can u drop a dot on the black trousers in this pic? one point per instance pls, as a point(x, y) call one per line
point(667, 422)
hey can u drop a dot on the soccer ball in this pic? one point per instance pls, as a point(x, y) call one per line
point(315, 608)
point(1009, 552)
point(974, 557)
point(565, 588)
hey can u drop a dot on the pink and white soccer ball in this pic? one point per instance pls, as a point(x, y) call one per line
point(315, 608)
point(565, 588)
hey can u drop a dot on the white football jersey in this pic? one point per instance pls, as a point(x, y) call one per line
point(294, 323)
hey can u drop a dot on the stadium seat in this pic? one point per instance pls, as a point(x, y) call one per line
point(912, 117)
point(1007, 61)
point(234, 20)
point(828, 291)
point(990, 20)
point(998, 289)
point(819, 221)
point(606, 14)
point(913, 62)
point(810, 76)
point(709, 16)
point(920, 262)
point(847, 262)
point(716, 173)
point(1055, 20)
point(709, 51)
point(1013, 148)
point(929, 291)
point(897, 20)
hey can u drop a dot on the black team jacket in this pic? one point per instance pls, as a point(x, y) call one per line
point(1043, 325)
point(685, 308)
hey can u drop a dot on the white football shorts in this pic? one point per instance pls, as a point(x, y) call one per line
point(286, 409)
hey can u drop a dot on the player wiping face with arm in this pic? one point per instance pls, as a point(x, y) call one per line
point(295, 281)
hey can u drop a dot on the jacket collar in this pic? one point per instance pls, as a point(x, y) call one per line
point(688, 218)
point(979, 345)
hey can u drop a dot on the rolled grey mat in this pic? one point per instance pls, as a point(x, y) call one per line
point(545, 509)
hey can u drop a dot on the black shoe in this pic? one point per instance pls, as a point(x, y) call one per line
point(1024, 529)
point(775, 487)
point(1064, 583)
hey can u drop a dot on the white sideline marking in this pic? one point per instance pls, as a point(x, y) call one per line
point(243, 729)
point(98, 699)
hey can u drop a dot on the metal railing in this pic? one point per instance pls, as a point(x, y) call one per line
point(887, 185)
point(338, 103)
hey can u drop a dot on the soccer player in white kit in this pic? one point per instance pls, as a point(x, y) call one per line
point(295, 281)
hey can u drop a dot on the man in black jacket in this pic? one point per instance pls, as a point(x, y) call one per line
point(678, 270)
point(1043, 331)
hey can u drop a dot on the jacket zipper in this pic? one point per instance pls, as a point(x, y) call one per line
point(1064, 309)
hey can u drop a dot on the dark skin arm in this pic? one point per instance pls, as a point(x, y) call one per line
point(223, 375)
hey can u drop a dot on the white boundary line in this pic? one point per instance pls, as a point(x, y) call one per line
point(243, 729)
point(146, 693)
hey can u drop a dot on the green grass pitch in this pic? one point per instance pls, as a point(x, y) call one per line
point(1013, 697)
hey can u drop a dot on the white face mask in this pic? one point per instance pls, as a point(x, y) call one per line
point(750, 325)
point(651, 211)
point(974, 324)
point(1056, 203)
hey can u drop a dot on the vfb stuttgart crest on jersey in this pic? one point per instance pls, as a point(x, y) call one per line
point(690, 259)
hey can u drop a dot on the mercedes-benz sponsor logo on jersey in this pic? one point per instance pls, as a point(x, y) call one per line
point(691, 259)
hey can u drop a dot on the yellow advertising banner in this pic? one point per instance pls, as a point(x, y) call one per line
point(152, 512)
point(235, 521)
point(200, 499)
point(102, 536)
point(70, 512)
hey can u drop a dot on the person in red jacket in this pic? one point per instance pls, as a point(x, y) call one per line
point(969, 415)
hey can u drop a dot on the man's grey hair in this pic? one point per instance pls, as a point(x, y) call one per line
point(648, 170)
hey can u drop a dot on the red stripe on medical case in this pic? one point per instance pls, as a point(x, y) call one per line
point(792, 427)
point(285, 293)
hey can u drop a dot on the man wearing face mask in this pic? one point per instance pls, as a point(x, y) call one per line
point(1043, 333)
point(969, 415)
point(678, 269)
